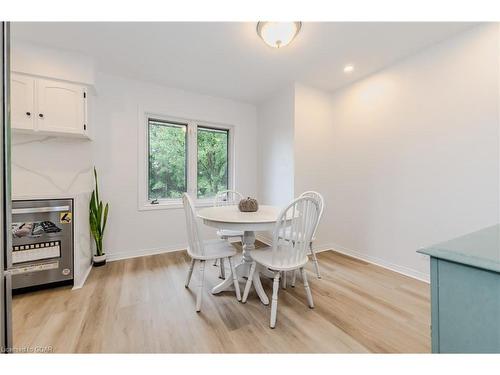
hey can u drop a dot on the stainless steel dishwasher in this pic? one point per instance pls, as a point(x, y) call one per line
point(42, 243)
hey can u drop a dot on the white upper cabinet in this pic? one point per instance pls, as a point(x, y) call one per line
point(60, 107)
point(22, 112)
point(55, 107)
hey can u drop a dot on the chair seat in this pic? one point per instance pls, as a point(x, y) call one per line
point(214, 249)
point(227, 233)
point(264, 256)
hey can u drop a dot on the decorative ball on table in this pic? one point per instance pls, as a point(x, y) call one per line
point(248, 205)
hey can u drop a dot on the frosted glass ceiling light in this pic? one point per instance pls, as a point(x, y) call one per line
point(278, 34)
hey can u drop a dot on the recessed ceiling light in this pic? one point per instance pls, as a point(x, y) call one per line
point(348, 68)
point(278, 34)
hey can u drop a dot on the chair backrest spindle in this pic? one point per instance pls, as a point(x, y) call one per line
point(321, 202)
point(195, 244)
point(299, 220)
point(227, 198)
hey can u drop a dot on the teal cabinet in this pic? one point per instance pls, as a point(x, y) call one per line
point(465, 293)
point(465, 308)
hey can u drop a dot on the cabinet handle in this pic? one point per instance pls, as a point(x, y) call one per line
point(40, 115)
point(28, 113)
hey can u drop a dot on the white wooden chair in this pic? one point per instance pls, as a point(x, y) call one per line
point(299, 219)
point(227, 198)
point(201, 251)
point(319, 198)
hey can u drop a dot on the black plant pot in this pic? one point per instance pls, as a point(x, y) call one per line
point(99, 260)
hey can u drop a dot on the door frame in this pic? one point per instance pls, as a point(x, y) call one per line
point(5, 201)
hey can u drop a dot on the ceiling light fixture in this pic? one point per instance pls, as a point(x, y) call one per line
point(278, 34)
point(348, 68)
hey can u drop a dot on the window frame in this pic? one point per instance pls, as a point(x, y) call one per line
point(186, 150)
point(209, 128)
point(144, 204)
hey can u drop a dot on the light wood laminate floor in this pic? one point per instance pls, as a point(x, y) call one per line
point(141, 305)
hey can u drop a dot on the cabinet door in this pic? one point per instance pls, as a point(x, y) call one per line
point(61, 107)
point(468, 309)
point(22, 102)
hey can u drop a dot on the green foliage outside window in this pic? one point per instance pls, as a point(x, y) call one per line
point(212, 161)
point(168, 156)
point(167, 160)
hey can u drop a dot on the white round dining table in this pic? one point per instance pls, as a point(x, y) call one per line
point(231, 218)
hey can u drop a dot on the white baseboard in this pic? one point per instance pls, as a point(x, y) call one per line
point(111, 257)
point(321, 248)
point(422, 276)
point(82, 282)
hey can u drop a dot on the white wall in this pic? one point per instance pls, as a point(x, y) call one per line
point(411, 157)
point(275, 148)
point(132, 232)
point(312, 152)
point(49, 62)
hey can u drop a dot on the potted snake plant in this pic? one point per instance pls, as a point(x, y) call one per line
point(98, 218)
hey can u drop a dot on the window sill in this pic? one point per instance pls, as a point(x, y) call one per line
point(174, 205)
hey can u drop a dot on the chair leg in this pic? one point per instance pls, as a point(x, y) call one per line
point(200, 286)
point(235, 278)
point(306, 287)
point(190, 272)
point(283, 280)
point(315, 261)
point(274, 303)
point(294, 277)
point(222, 270)
point(215, 262)
point(249, 282)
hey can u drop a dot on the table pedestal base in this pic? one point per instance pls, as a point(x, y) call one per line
point(243, 270)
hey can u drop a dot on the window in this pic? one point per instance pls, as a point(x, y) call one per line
point(167, 159)
point(182, 156)
point(212, 161)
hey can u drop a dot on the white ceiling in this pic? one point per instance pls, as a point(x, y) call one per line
point(229, 60)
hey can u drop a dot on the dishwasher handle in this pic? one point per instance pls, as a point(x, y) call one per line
point(35, 210)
